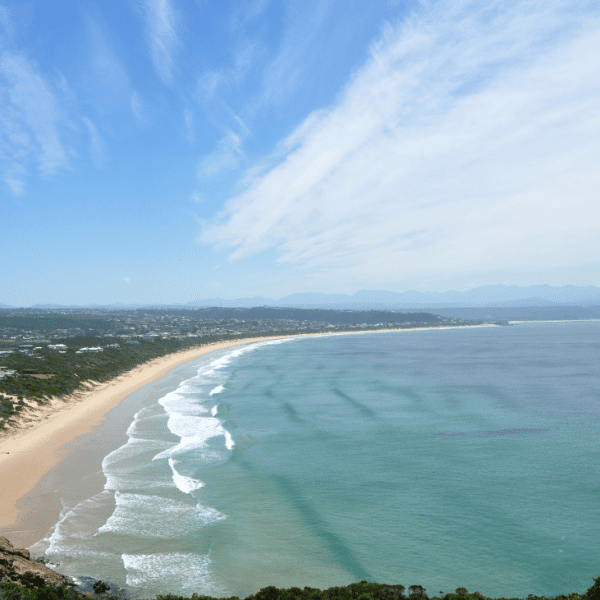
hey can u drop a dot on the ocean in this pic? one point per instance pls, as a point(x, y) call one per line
point(445, 457)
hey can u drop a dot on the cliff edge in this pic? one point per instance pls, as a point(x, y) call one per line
point(17, 567)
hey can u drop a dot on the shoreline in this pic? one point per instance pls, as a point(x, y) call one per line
point(28, 454)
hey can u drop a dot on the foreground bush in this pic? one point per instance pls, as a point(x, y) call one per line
point(355, 591)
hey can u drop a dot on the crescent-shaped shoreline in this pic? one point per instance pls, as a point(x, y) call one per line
point(27, 454)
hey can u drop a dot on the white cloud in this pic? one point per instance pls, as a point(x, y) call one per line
point(30, 120)
point(14, 176)
point(137, 108)
point(160, 21)
point(247, 12)
point(108, 71)
point(108, 87)
point(467, 142)
point(226, 156)
point(190, 131)
point(6, 26)
point(97, 146)
point(297, 52)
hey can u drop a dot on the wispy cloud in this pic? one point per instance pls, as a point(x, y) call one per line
point(6, 25)
point(13, 174)
point(229, 148)
point(30, 120)
point(248, 11)
point(467, 141)
point(297, 52)
point(226, 155)
point(97, 146)
point(107, 85)
point(160, 21)
point(190, 131)
point(137, 108)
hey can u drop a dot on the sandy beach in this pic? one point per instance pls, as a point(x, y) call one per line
point(27, 455)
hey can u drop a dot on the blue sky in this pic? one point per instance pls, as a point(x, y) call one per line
point(167, 151)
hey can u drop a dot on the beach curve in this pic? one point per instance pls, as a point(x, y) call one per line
point(27, 455)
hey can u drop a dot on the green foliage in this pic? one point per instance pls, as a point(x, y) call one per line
point(593, 593)
point(68, 371)
point(13, 591)
point(418, 592)
point(364, 590)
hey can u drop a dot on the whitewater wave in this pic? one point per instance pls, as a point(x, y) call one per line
point(184, 572)
point(152, 516)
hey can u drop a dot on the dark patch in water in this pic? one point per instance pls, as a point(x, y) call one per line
point(512, 431)
point(493, 432)
point(292, 413)
point(314, 521)
point(364, 410)
point(406, 391)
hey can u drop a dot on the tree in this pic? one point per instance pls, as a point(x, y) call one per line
point(593, 593)
point(417, 591)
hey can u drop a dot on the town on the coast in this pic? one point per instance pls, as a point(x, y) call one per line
point(46, 353)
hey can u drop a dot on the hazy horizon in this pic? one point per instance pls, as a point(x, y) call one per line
point(498, 295)
point(162, 151)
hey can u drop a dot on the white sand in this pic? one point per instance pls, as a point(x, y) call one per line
point(28, 454)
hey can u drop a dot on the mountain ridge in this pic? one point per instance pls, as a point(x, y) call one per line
point(483, 296)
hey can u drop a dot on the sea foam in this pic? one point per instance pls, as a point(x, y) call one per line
point(184, 572)
point(75, 528)
point(186, 484)
point(152, 516)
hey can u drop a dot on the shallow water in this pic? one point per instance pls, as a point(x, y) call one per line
point(465, 457)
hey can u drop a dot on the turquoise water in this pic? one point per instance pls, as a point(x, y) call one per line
point(446, 458)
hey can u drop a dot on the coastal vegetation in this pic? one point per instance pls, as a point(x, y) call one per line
point(46, 354)
point(356, 591)
point(36, 376)
point(23, 578)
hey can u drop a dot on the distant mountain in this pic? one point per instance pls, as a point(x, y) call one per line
point(54, 306)
point(503, 296)
point(490, 295)
point(521, 313)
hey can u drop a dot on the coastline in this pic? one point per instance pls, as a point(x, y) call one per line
point(28, 455)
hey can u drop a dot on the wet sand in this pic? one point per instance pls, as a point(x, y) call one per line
point(26, 456)
point(65, 445)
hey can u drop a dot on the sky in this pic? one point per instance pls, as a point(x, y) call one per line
point(165, 151)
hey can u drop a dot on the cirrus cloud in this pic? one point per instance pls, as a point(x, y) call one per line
point(160, 22)
point(30, 122)
point(468, 141)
